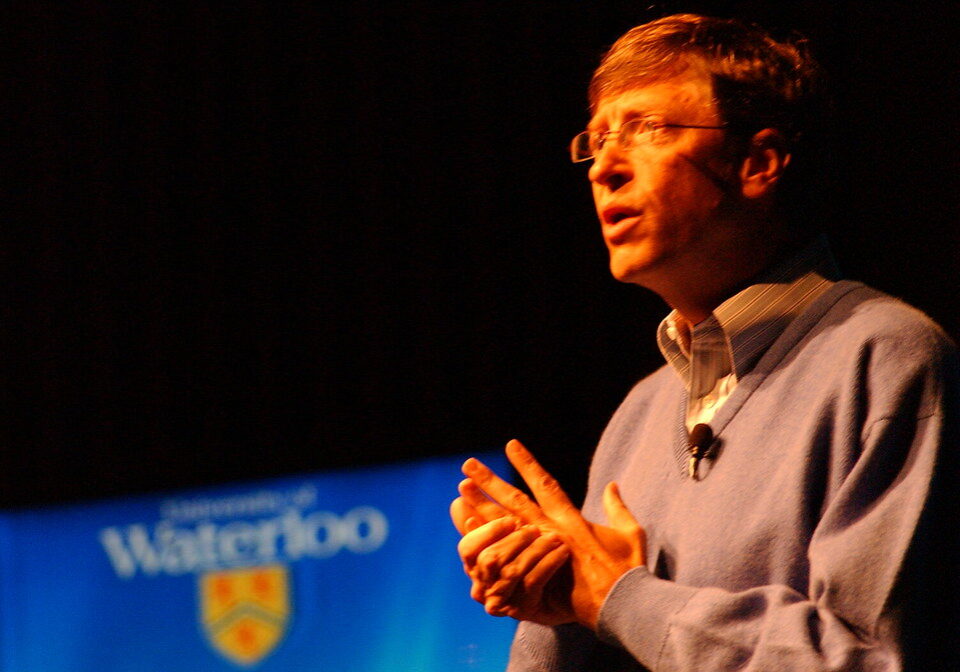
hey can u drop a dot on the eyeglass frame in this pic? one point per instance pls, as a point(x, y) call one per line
point(619, 133)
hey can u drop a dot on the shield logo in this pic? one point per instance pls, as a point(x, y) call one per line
point(244, 612)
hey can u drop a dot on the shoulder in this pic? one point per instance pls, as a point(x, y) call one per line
point(872, 312)
point(883, 347)
point(868, 320)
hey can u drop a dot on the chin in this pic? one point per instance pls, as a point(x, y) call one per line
point(633, 271)
point(620, 274)
point(629, 276)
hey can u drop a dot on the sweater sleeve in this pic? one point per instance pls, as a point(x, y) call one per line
point(541, 648)
point(868, 563)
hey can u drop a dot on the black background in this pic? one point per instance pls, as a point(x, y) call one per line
point(248, 239)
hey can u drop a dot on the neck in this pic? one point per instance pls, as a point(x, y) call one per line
point(696, 291)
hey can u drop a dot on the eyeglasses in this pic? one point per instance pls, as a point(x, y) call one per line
point(587, 145)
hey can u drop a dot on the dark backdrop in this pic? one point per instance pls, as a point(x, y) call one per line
point(248, 239)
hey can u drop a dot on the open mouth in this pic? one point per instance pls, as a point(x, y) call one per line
point(619, 224)
point(614, 215)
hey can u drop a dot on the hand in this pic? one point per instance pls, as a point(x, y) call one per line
point(508, 563)
point(599, 554)
point(472, 503)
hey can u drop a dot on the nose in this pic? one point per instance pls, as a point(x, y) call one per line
point(611, 167)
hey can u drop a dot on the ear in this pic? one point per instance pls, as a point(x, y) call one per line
point(767, 158)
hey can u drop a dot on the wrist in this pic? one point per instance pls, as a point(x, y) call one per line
point(588, 608)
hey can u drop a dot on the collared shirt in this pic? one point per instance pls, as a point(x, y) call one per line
point(713, 355)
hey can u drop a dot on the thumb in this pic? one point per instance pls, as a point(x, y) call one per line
point(618, 515)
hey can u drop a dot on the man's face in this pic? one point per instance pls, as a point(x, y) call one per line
point(660, 202)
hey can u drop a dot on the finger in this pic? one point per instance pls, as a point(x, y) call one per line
point(525, 597)
point(495, 606)
point(473, 495)
point(460, 512)
point(478, 590)
point(543, 571)
point(504, 494)
point(492, 559)
point(475, 541)
point(536, 580)
point(545, 488)
point(618, 515)
point(526, 561)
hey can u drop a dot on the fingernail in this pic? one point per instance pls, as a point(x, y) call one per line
point(473, 466)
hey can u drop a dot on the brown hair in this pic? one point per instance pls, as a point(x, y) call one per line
point(758, 82)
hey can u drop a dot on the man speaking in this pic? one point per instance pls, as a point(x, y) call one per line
point(768, 499)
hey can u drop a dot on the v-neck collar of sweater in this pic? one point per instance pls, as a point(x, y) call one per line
point(794, 332)
point(737, 333)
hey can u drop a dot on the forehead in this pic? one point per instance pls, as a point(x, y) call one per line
point(683, 99)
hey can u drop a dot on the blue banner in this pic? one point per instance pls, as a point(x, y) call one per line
point(351, 570)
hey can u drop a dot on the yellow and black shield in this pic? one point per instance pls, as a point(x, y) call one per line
point(244, 612)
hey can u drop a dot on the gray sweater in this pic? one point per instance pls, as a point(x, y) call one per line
point(808, 543)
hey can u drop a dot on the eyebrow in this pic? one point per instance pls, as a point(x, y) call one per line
point(630, 113)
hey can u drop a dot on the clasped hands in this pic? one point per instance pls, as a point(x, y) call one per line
point(539, 559)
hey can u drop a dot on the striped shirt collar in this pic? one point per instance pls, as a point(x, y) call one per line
point(733, 338)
